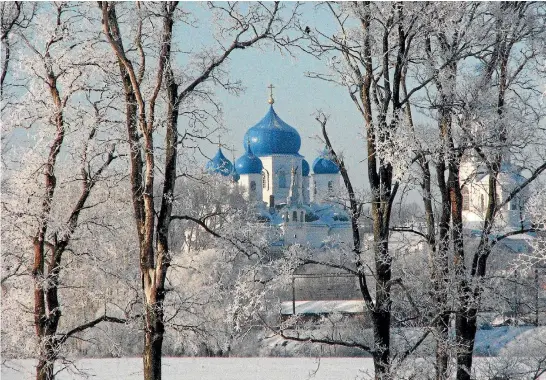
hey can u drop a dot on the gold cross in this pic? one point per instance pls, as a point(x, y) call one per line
point(271, 100)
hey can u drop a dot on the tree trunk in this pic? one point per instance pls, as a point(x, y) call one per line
point(44, 370)
point(466, 325)
point(381, 315)
point(381, 356)
point(153, 342)
point(45, 366)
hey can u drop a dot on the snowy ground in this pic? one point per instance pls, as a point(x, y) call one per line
point(515, 351)
point(221, 369)
point(212, 369)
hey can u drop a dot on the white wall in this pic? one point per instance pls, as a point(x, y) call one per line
point(274, 165)
point(305, 190)
point(318, 188)
point(245, 182)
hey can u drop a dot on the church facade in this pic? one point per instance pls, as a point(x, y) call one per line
point(291, 195)
point(474, 180)
point(300, 199)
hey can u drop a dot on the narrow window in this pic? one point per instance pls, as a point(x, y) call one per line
point(295, 216)
point(282, 180)
point(253, 186)
point(265, 180)
point(466, 200)
point(330, 185)
point(301, 216)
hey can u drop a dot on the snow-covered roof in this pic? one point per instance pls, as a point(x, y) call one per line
point(323, 307)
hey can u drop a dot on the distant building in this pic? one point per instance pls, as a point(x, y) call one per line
point(474, 179)
point(279, 180)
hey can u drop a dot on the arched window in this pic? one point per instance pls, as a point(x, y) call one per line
point(330, 185)
point(282, 180)
point(466, 198)
point(295, 216)
point(253, 186)
point(301, 216)
point(514, 204)
point(265, 180)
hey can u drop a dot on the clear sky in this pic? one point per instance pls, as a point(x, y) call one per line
point(297, 99)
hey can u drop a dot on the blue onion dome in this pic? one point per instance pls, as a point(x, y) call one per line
point(305, 168)
point(323, 164)
point(273, 136)
point(248, 163)
point(219, 164)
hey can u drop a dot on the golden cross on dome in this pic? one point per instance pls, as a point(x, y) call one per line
point(271, 100)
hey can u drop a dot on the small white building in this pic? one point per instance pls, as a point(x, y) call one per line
point(474, 180)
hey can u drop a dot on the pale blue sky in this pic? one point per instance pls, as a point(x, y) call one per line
point(297, 99)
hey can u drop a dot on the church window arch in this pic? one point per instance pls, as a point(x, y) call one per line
point(265, 179)
point(466, 198)
point(301, 216)
point(282, 180)
point(253, 186)
point(330, 185)
point(295, 216)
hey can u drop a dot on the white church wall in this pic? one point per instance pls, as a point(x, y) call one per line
point(322, 185)
point(476, 191)
point(267, 186)
point(340, 234)
point(305, 190)
point(316, 234)
point(251, 192)
point(294, 233)
point(278, 166)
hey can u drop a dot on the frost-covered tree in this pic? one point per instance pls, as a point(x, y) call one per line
point(369, 54)
point(54, 182)
point(238, 27)
point(14, 16)
point(475, 53)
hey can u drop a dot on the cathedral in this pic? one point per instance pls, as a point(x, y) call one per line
point(278, 179)
point(302, 200)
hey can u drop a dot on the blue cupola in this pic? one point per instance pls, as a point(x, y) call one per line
point(248, 163)
point(273, 136)
point(324, 165)
point(305, 168)
point(220, 164)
